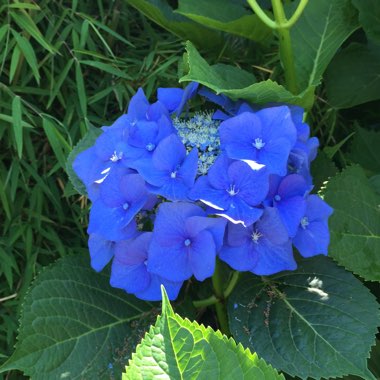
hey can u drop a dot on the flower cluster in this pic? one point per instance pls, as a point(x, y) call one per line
point(169, 193)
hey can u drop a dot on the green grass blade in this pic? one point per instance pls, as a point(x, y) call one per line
point(17, 123)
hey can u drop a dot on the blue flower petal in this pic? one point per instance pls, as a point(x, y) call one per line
point(153, 291)
point(112, 223)
point(171, 262)
point(202, 255)
point(216, 226)
point(138, 106)
point(241, 258)
point(291, 211)
point(273, 258)
point(101, 251)
point(313, 239)
point(170, 97)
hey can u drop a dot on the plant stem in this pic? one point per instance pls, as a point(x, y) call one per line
point(232, 284)
point(261, 14)
point(286, 52)
point(220, 307)
point(206, 302)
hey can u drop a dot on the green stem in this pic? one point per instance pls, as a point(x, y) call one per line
point(206, 302)
point(232, 284)
point(286, 52)
point(261, 14)
point(220, 307)
point(296, 14)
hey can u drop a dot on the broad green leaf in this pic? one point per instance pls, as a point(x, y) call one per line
point(175, 348)
point(231, 17)
point(365, 150)
point(355, 223)
point(353, 76)
point(375, 183)
point(331, 151)
point(373, 363)
point(162, 13)
point(17, 124)
point(369, 17)
point(25, 22)
point(317, 321)
point(28, 52)
point(86, 142)
point(322, 168)
point(237, 83)
point(317, 35)
point(75, 326)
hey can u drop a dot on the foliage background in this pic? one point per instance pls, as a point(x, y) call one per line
point(67, 65)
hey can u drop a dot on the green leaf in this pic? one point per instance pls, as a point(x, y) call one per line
point(107, 68)
point(369, 17)
point(365, 150)
point(322, 168)
point(14, 63)
point(231, 18)
point(28, 52)
point(86, 142)
point(176, 348)
point(162, 14)
point(74, 325)
point(353, 76)
point(317, 35)
point(60, 80)
point(355, 223)
point(317, 321)
point(237, 83)
point(56, 140)
point(25, 22)
point(17, 123)
point(81, 89)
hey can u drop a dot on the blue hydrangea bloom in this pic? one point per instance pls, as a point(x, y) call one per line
point(171, 173)
point(233, 190)
point(287, 195)
point(175, 99)
point(101, 251)
point(122, 198)
point(313, 235)
point(185, 242)
point(265, 137)
point(240, 166)
point(263, 248)
point(129, 271)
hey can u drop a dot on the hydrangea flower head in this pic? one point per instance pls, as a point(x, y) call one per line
point(173, 189)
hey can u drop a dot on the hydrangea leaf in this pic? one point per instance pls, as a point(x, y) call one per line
point(176, 348)
point(318, 34)
point(162, 13)
point(373, 363)
point(317, 321)
point(363, 85)
point(239, 84)
point(75, 326)
point(355, 223)
point(365, 149)
point(231, 17)
point(369, 17)
point(322, 168)
point(86, 142)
